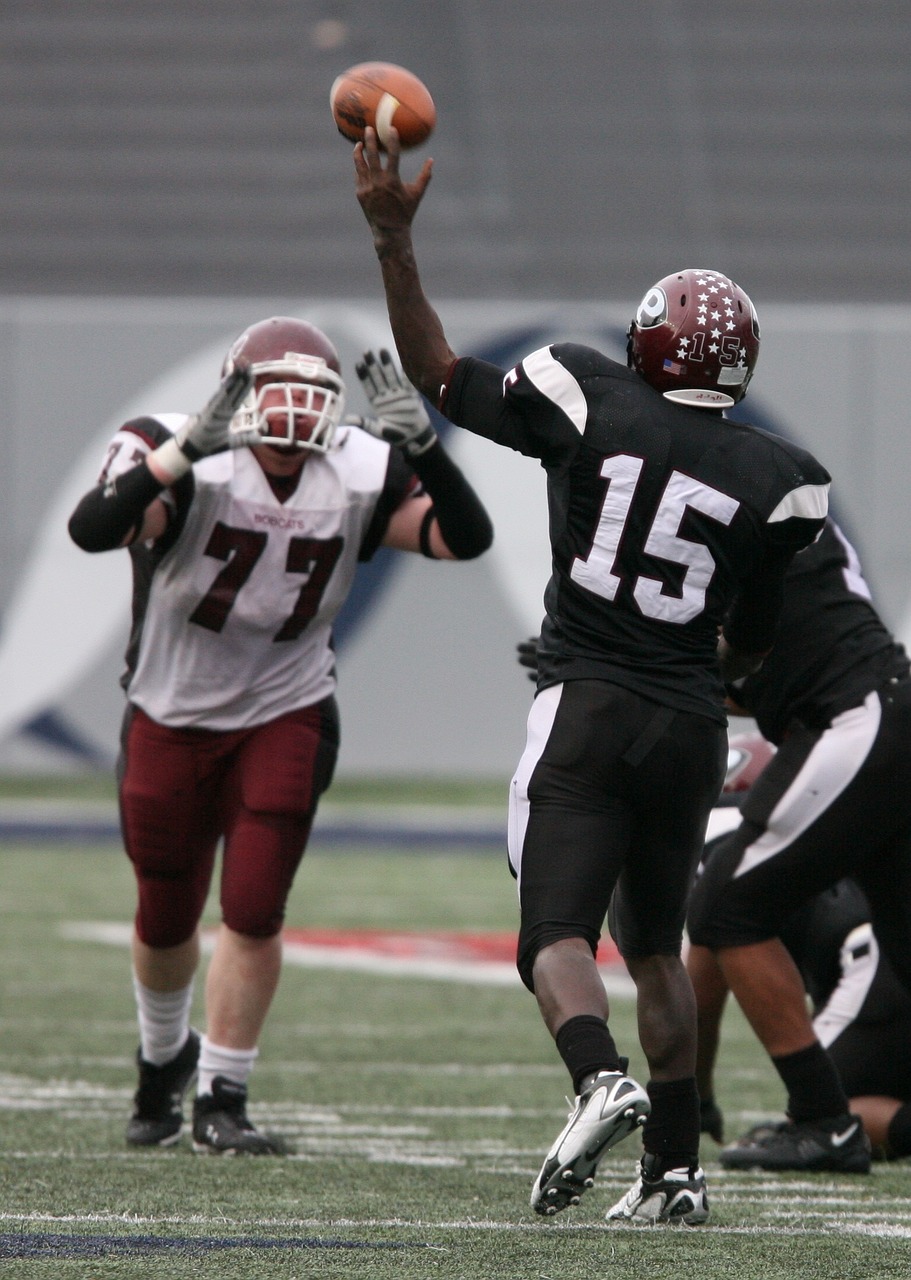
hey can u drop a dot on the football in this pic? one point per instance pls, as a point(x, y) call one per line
point(384, 96)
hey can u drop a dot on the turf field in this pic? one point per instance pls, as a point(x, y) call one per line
point(419, 1111)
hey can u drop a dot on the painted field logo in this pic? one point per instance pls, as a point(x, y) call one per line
point(451, 956)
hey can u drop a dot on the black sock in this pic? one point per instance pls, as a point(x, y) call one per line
point(585, 1045)
point(814, 1089)
point(898, 1135)
point(671, 1133)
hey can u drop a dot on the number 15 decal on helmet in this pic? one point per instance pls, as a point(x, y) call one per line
point(695, 339)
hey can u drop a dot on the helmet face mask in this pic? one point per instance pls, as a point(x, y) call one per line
point(695, 338)
point(298, 396)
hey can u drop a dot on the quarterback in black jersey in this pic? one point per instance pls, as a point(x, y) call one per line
point(671, 529)
point(833, 802)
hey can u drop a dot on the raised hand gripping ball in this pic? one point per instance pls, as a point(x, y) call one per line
point(384, 96)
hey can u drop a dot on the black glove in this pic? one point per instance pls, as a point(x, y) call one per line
point(711, 1120)
point(528, 656)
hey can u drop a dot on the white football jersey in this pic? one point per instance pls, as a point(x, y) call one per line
point(236, 626)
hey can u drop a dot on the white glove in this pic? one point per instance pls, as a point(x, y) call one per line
point(401, 417)
point(209, 431)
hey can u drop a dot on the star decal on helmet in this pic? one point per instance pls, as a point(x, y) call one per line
point(695, 332)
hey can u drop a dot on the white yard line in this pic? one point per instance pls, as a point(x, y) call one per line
point(244, 1226)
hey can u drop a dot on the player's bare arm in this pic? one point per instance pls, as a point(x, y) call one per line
point(404, 529)
point(389, 205)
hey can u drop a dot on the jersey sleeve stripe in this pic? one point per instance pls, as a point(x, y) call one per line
point(558, 385)
point(852, 573)
point(810, 501)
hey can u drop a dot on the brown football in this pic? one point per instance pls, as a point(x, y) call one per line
point(384, 96)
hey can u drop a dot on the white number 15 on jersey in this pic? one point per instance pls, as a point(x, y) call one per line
point(596, 572)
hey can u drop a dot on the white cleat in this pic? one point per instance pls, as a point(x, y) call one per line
point(610, 1110)
point(677, 1195)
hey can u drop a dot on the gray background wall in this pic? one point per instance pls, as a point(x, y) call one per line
point(170, 172)
point(428, 682)
point(584, 147)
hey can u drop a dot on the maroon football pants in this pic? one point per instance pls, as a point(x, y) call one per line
point(184, 790)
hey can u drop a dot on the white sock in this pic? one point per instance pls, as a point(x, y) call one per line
point(164, 1021)
point(216, 1060)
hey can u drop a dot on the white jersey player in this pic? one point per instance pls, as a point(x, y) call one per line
point(245, 524)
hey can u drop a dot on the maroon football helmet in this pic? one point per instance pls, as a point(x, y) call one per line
point(298, 397)
point(695, 339)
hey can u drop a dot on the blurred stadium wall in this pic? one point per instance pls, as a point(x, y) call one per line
point(428, 680)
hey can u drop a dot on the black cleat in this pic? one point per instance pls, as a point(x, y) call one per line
point(157, 1117)
point(834, 1145)
point(221, 1125)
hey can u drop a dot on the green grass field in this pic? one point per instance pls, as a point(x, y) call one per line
point(419, 1111)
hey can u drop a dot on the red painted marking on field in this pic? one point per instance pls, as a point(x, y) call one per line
point(434, 944)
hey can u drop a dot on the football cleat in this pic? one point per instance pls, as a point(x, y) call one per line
point(221, 1125)
point(834, 1145)
point(157, 1117)
point(675, 1195)
point(610, 1109)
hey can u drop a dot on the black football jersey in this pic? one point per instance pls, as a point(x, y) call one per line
point(831, 649)
point(665, 521)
